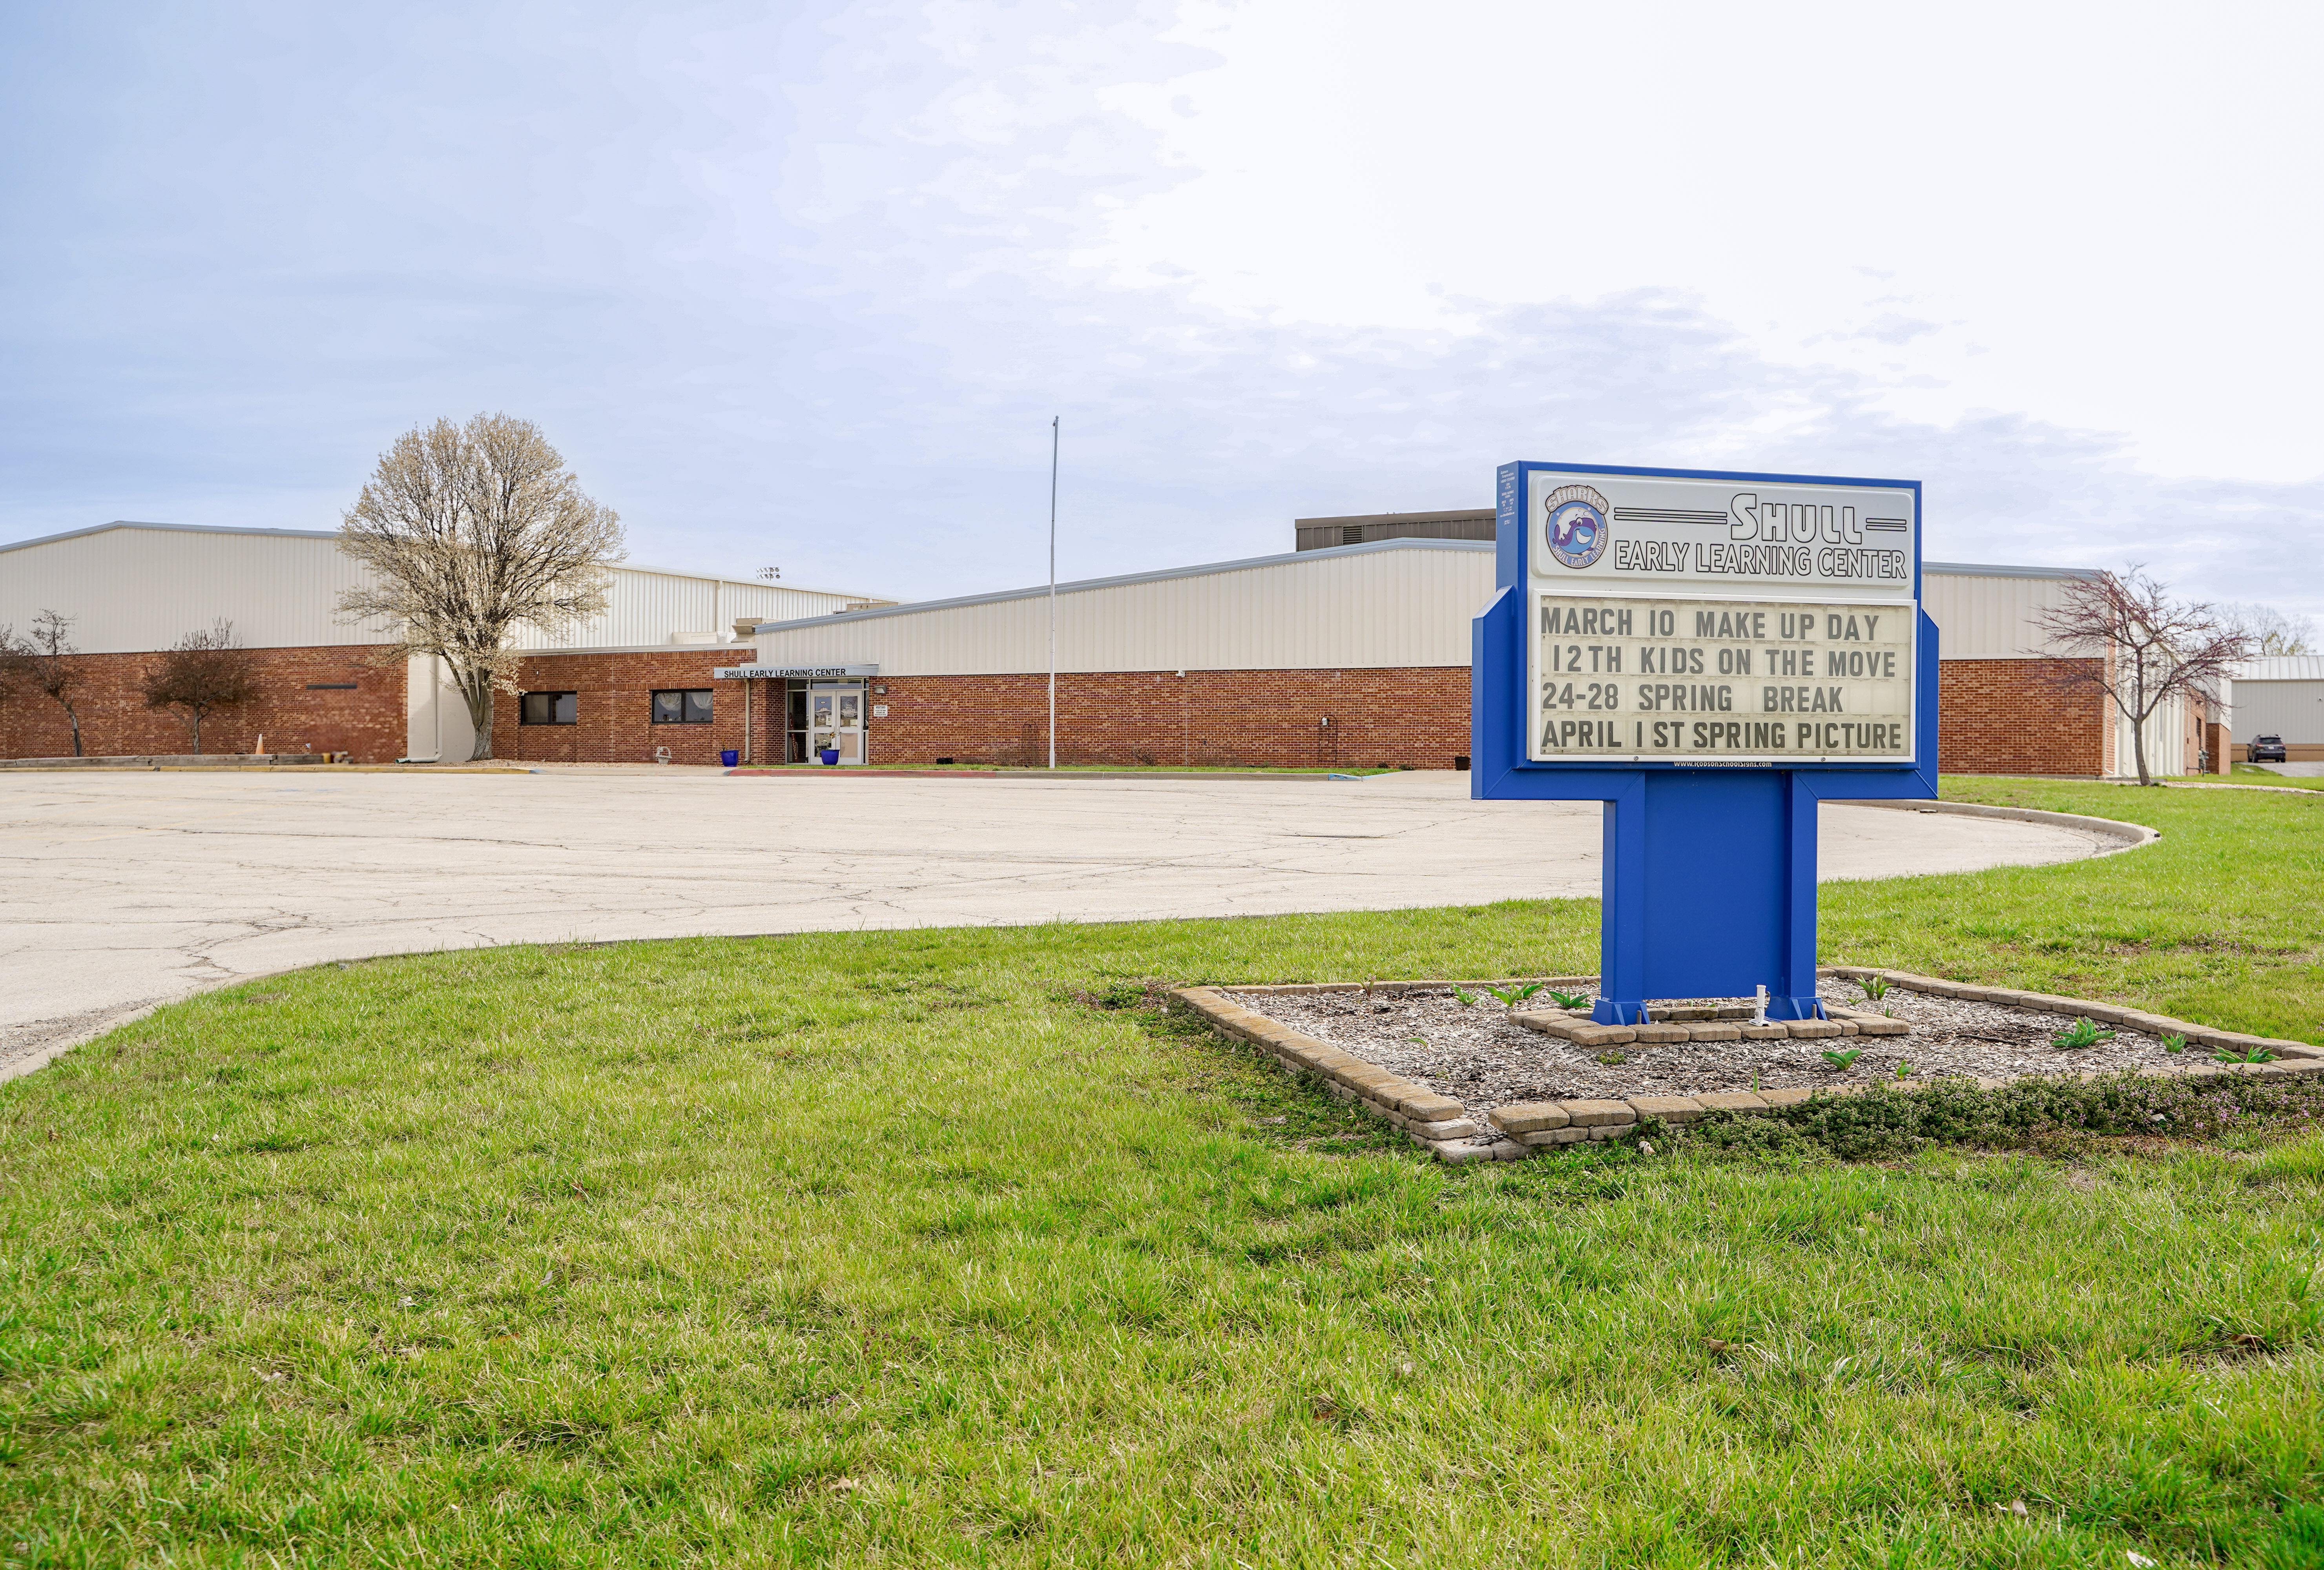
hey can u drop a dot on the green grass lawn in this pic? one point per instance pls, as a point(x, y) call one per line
point(935, 1248)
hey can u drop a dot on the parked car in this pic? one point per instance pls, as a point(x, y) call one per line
point(2268, 750)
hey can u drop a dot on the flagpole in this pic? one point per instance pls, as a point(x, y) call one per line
point(1053, 435)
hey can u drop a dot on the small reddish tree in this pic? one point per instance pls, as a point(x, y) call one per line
point(200, 674)
point(2150, 647)
point(49, 663)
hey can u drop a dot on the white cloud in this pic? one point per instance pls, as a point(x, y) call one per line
point(809, 289)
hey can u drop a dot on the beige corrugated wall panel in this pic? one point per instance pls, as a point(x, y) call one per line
point(2293, 710)
point(2169, 748)
point(1382, 609)
point(649, 606)
point(132, 589)
point(1989, 618)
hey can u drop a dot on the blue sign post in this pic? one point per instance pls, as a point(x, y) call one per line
point(1711, 654)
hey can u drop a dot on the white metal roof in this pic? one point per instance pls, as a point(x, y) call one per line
point(2282, 668)
point(1980, 569)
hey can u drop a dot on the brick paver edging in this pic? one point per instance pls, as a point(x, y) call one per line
point(1444, 1127)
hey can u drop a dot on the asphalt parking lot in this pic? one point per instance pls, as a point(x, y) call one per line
point(123, 890)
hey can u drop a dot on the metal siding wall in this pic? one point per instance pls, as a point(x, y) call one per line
point(649, 606)
point(2169, 747)
point(1991, 618)
point(2293, 710)
point(134, 589)
point(1390, 608)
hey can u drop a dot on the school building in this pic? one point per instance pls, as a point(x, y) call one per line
point(1350, 649)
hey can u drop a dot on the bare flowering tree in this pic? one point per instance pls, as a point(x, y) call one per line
point(2141, 648)
point(200, 674)
point(470, 532)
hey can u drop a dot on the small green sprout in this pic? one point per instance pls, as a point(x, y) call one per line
point(1610, 1058)
point(1843, 1060)
point(1876, 987)
point(2174, 1043)
point(1904, 1067)
point(2256, 1054)
point(1470, 999)
point(2082, 1034)
point(1570, 999)
point(1513, 996)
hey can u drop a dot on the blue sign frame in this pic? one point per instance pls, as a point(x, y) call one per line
point(1709, 884)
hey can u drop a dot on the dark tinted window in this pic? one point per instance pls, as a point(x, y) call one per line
point(550, 709)
point(690, 706)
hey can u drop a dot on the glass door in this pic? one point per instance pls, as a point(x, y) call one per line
point(835, 720)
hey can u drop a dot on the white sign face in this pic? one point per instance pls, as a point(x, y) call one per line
point(796, 672)
point(1648, 535)
point(1718, 621)
point(1626, 678)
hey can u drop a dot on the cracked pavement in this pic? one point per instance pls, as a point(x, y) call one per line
point(121, 890)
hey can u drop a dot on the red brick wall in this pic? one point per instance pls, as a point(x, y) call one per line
point(616, 709)
point(1416, 716)
point(1996, 716)
point(2002, 716)
point(367, 722)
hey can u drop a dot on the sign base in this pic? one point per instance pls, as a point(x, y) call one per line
point(1709, 872)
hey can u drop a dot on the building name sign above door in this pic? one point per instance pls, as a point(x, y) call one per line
point(793, 672)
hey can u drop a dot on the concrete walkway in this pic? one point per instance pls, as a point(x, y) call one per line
point(120, 891)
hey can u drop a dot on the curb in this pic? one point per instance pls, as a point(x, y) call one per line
point(2130, 836)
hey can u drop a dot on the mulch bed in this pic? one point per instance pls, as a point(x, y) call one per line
point(1477, 1055)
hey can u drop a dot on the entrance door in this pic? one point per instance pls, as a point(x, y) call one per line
point(835, 718)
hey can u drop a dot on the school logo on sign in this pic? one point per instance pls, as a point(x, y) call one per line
point(1577, 528)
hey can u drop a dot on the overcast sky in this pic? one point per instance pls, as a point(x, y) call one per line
point(803, 285)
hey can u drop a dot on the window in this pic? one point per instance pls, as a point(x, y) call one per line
point(691, 707)
point(550, 709)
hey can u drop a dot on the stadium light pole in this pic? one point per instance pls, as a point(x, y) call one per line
point(1054, 434)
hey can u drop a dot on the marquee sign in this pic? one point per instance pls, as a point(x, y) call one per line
point(1711, 655)
point(1693, 621)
